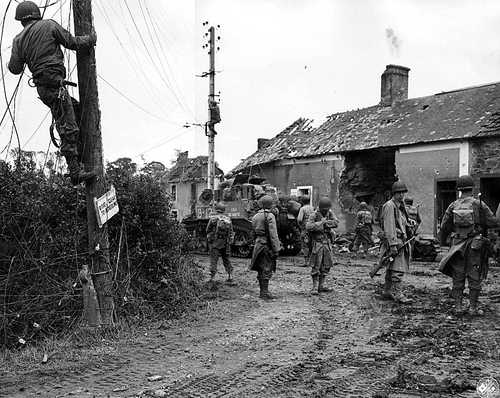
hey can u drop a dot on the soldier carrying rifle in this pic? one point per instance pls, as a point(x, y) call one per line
point(395, 248)
point(320, 227)
point(467, 220)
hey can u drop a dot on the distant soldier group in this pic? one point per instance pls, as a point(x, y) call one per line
point(466, 220)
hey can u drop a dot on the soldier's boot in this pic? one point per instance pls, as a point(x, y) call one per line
point(474, 299)
point(261, 289)
point(387, 294)
point(230, 279)
point(264, 292)
point(76, 174)
point(321, 286)
point(314, 289)
point(458, 307)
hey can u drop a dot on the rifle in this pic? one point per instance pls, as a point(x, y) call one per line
point(384, 261)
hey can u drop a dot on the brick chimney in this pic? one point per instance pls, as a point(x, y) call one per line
point(262, 142)
point(394, 84)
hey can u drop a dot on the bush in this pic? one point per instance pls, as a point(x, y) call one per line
point(43, 244)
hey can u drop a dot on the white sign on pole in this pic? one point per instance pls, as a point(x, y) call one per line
point(106, 206)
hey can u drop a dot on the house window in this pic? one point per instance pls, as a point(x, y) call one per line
point(305, 190)
point(173, 192)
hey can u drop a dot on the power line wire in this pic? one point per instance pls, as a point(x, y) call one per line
point(135, 103)
point(162, 78)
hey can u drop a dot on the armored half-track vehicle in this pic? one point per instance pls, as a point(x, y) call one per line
point(239, 195)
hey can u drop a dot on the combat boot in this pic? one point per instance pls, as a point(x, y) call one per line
point(474, 298)
point(315, 289)
point(387, 294)
point(321, 285)
point(264, 292)
point(458, 307)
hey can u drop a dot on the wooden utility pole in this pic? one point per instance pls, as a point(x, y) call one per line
point(211, 100)
point(213, 111)
point(90, 128)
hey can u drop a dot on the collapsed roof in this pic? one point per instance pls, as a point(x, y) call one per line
point(455, 115)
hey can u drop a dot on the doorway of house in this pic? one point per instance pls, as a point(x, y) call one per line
point(490, 191)
point(446, 193)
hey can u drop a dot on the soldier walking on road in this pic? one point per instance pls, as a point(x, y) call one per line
point(267, 245)
point(467, 220)
point(219, 237)
point(395, 224)
point(320, 226)
point(39, 46)
point(305, 211)
point(364, 228)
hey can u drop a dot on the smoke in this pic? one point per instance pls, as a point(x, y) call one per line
point(393, 41)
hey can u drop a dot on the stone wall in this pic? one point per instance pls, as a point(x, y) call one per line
point(485, 157)
point(367, 176)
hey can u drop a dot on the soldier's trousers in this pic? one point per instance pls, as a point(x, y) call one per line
point(214, 258)
point(63, 108)
point(463, 269)
point(393, 280)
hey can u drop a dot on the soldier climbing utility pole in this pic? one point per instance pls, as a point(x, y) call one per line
point(90, 126)
point(213, 110)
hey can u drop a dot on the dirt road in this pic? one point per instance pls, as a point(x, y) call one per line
point(347, 343)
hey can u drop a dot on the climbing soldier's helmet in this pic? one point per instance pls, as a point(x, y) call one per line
point(27, 10)
point(399, 186)
point(465, 183)
point(266, 202)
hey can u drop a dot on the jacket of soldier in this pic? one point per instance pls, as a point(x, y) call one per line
point(463, 235)
point(39, 46)
point(304, 213)
point(259, 228)
point(394, 221)
point(315, 226)
point(215, 241)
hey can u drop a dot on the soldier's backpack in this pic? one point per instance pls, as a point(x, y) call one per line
point(223, 228)
point(463, 214)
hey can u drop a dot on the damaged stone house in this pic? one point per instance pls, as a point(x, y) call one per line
point(427, 142)
point(186, 180)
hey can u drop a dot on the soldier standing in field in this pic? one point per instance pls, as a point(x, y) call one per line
point(467, 220)
point(219, 237)
point(363, 230)
point(395, 224)
point(267, 246)
point(320, 226)
point(305, 211)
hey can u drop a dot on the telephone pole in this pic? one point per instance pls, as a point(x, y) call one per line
point(90, 128)
point(213, 109)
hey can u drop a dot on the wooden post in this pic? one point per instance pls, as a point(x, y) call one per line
point(90, 128)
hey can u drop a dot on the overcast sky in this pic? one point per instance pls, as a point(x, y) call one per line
point(279, 60)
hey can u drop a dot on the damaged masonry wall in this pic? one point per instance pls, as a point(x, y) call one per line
point(367, 176)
